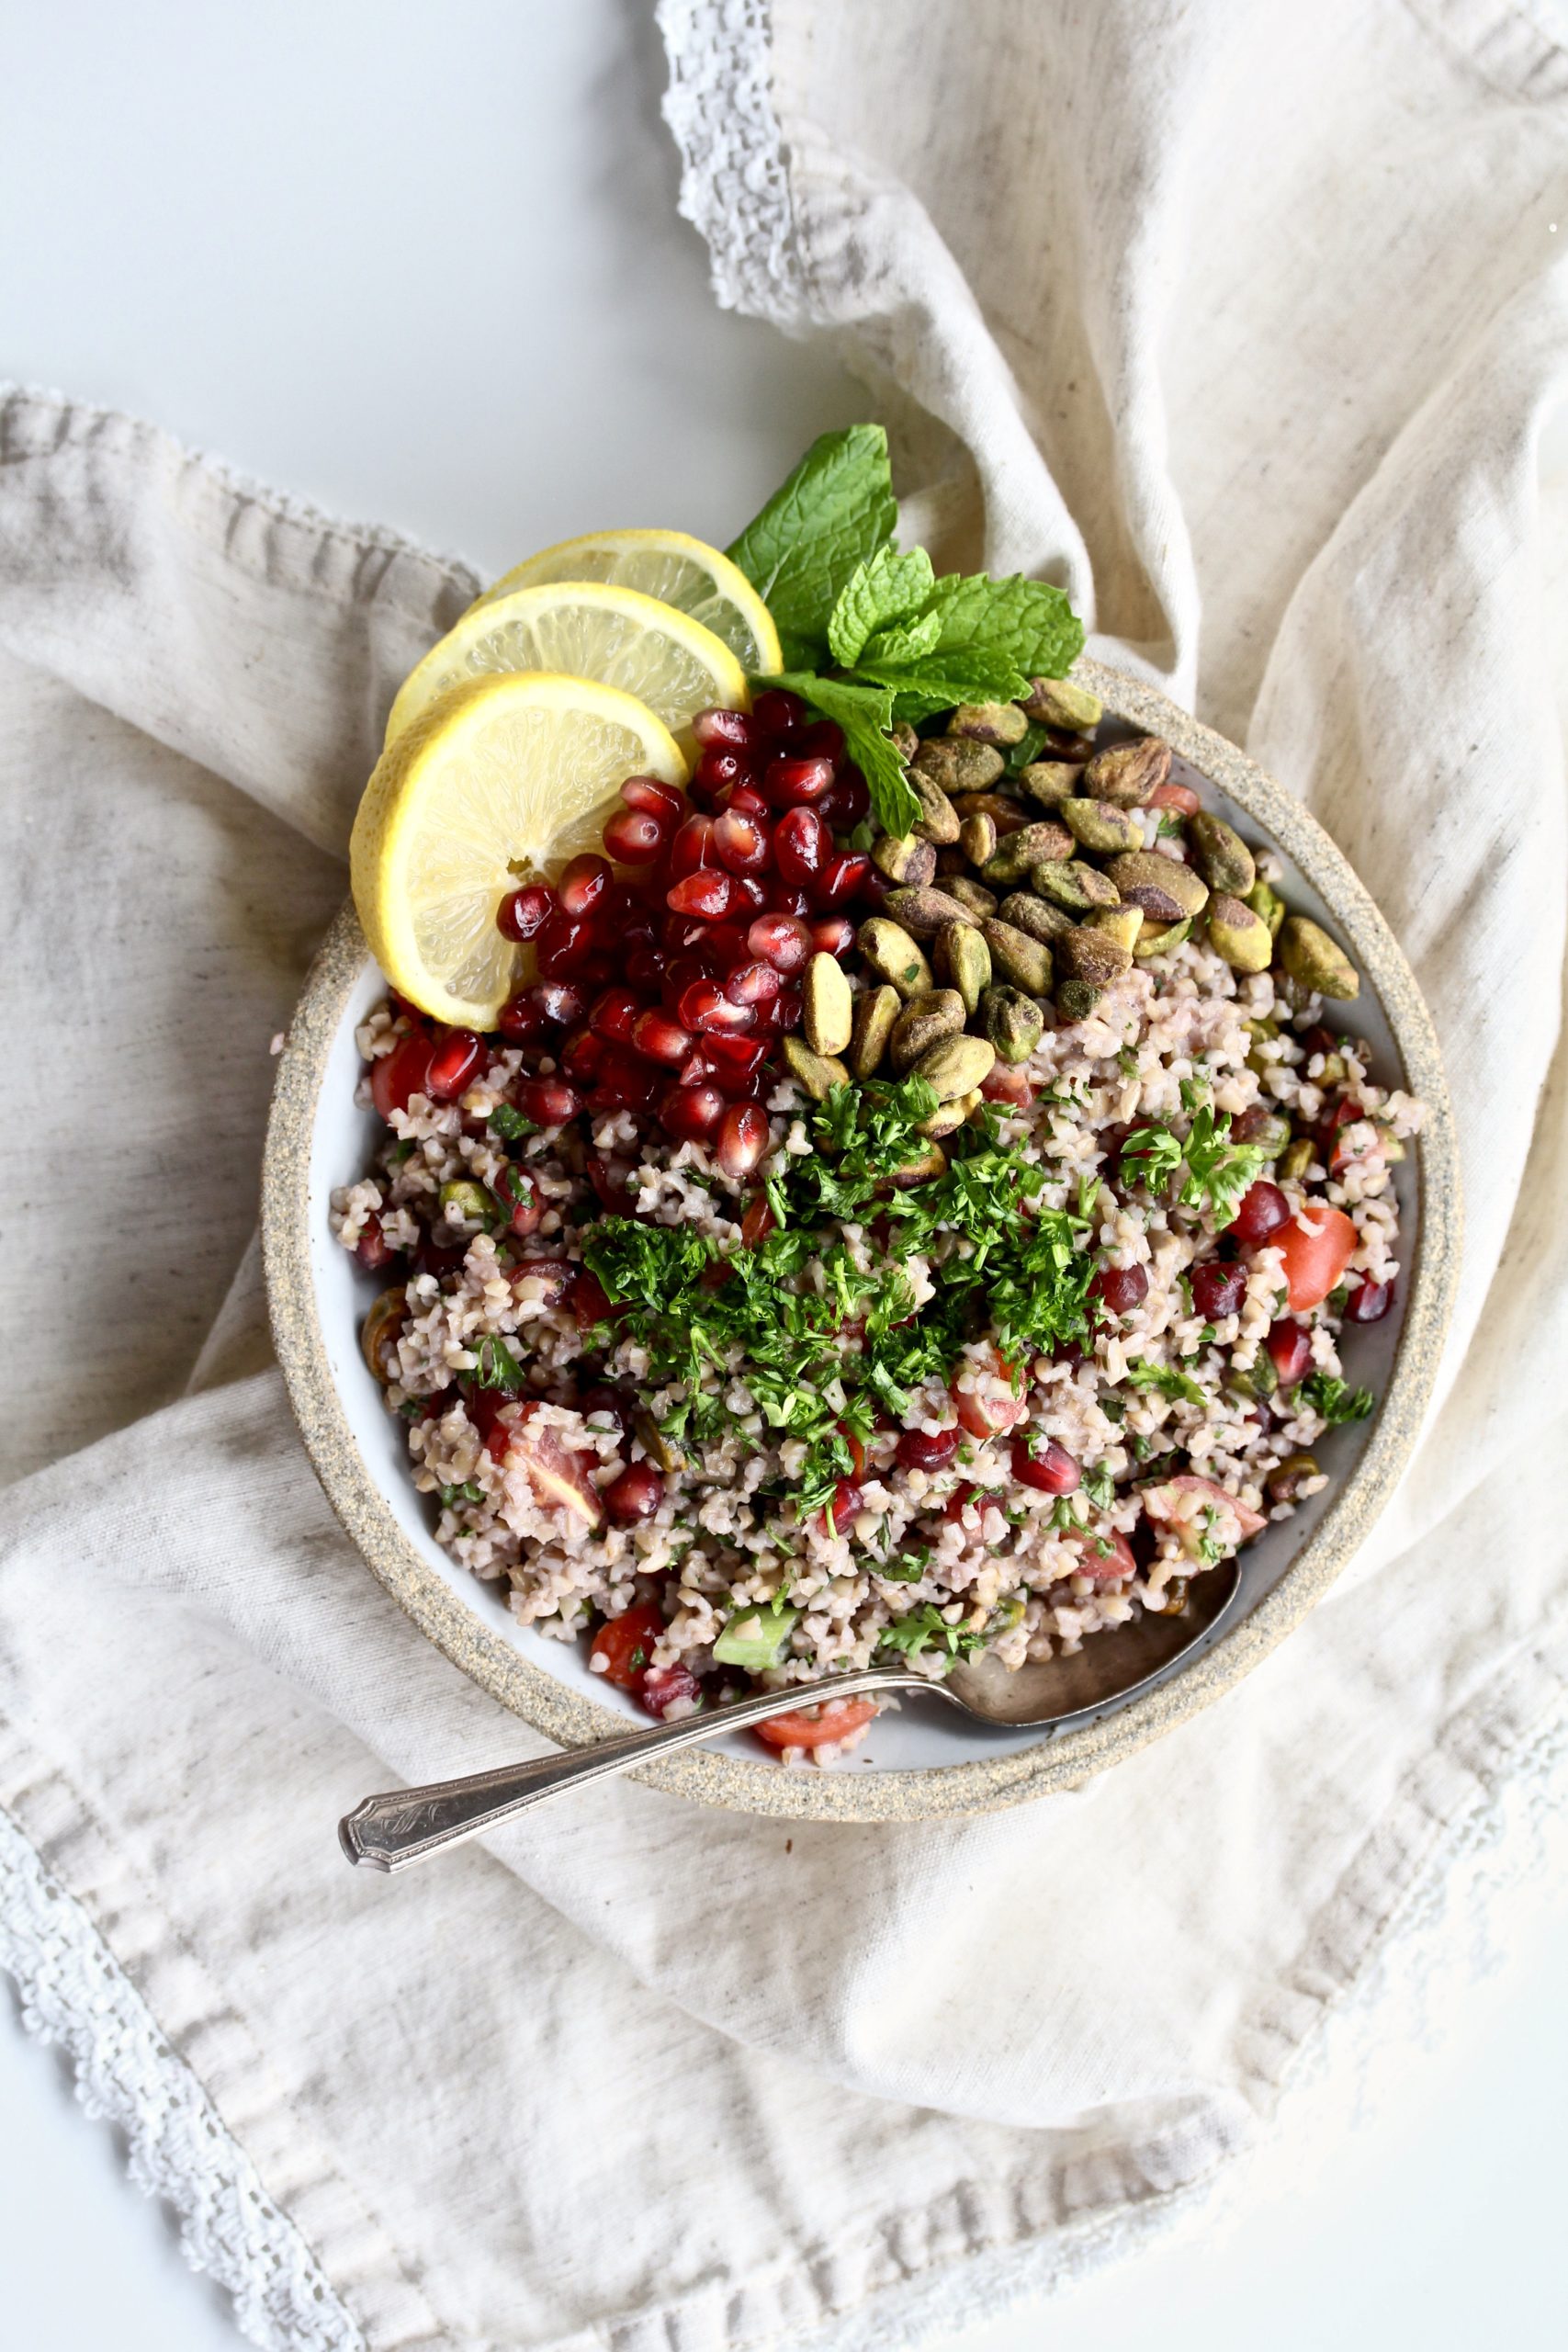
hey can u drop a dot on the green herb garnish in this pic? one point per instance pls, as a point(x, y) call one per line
point(508, 1122)
point(1338, 1402)
point(870, 634)
point(1167, 1379)
point(1216, 1174)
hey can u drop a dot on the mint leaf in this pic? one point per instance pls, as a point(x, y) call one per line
point(834, 512)
point(864, 713)
point(937, 680)
point(887, 587)
point(904, 641)
point(1025, 621)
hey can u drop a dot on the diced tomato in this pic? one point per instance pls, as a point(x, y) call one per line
point(1180, 796)
point(562, 1480)
point(958, 1502)
point(1104, 1567)
point(817, 1727)
point(1314, 1261)
point(622, 1651)
point(1157, 1507)
point(988, 1415)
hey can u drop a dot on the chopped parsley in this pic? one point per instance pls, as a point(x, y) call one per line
point(1334, 1401)
point(776, 1317)
point(495, 1366)
point(470, 1491)
point(1167, 1379)
point(915, 1633)
point(1216, 1174)
point(508, 1122)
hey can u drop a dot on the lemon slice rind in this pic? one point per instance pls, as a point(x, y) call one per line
point(673, 567)
point(584, 629)
point(499, 780)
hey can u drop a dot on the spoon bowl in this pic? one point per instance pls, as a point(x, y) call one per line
point(1062, 1694)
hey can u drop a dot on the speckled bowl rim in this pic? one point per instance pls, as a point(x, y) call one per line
point(918, 1792)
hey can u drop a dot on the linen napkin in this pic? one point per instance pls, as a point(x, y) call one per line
point(1248, 328)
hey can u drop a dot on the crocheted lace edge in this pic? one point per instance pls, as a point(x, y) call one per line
point(75, 1995)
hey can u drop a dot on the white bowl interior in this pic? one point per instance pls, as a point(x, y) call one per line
point(342, 1142)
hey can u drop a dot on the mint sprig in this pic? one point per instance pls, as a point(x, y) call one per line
point(870, 634)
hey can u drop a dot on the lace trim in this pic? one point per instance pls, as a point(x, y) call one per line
point(76, 1995)
point(734, 184)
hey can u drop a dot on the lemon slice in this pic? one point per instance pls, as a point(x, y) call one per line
point(582, 629)
point(499, 781)
point(678, 570)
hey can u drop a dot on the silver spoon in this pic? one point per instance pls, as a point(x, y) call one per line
point(392, 1831)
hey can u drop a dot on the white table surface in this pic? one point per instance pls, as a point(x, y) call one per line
point(422, 267)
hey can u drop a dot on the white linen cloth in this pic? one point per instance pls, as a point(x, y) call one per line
point(1245, 322)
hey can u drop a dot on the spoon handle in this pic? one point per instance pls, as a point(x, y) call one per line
point(392, 1831)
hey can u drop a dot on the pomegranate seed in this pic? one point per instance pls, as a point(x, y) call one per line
point(562, 1000)
point(852, 799)
point(454, 1059)
point(646, 968)
point(689, 1113)
point(401, 1074)
point(928, 1449)
point(718, 726)
point(1069, 1352)
point(739, 843)
point(635, 1082)
point(692, 847)
point(608, 1176)
point(589, 1304)
point(1050, 1469)
point(680, 973)
point(429, 1260)
point(782, 941)
point(842, 876)
point(749, 898)
point(717, 774)
point(752, 984)
point(563, 947)
point(756, 1225)
point(611, 1015)
point(372, 1248)
point(733, 1062)
point(726, 943)
point(841, 1507)
point(1368, 1302)
point(632, 837)
point(959, 1501)
point(742, 1138)
point(802, 845)
point(823, 740)
point(520, 1022)
point(1218, 1289)
point(787, 1012)
point(548, 1101)
point(1290, 1348)
point(746, 801)
point(1264, 1209)
point(521, 1195)
point(1005, 1084)
point(655, 799)
point(583, 1057)
point(602, 1398)
point(661, 1686)
point(525, 914)
point(583, 884)
point(706, 1007)
point(777, 712)
point(833, 935)
point(1119, 1289)
point(791, 784)
point(788, 898)
point(708, 893)
point(662, 1039)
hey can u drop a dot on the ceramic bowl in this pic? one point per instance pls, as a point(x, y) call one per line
point(919, 1761)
